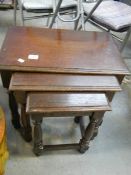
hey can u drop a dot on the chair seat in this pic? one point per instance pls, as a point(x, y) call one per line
point(46, 4)
point(39, 4)
point(114, 14)
point(68, 3)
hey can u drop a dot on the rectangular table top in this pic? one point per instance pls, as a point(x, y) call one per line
point(59, 102)
point(60, 51)
point(63, 82)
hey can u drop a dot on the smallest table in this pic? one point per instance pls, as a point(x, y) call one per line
point(52, 104)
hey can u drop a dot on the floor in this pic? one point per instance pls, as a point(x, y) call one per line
point(109, 154)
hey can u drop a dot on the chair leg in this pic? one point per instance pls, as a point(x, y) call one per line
point(38, 144)
point(22, 16)
point(82, 17)
point(48, 20)
point(55, 14)
point(76, 24)
point(21, 11)
point(125, 39)
point(15, 10)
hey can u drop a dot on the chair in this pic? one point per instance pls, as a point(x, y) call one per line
point(41, 8)
point(110, 16)
point(45, 7)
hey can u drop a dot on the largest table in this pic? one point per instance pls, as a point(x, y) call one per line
point(59, 51)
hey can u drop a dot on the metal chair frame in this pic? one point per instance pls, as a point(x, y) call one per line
point(79, 14)
point(47, 12)
point(106, 28)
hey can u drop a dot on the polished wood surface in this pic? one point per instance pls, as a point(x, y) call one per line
point(61, 51)
point(62, 82)
point(66, 102)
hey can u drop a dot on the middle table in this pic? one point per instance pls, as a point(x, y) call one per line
point(65, 84)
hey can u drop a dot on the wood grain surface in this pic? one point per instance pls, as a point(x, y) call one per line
point(61, 51)
point(62, 82)
point(66, 102)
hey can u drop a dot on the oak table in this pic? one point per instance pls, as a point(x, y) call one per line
point(59, 104)
point(27, 49)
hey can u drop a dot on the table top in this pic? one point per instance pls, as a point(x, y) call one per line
point(62, 51)
point(63, 82)
point(63, 103)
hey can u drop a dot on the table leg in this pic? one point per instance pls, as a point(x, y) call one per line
point(84, 142)
point(98, 124)
point(26, 130)
point(110, 96)
point(38, 144)
point(6, 76)
point(14, 111)
point(77, 119)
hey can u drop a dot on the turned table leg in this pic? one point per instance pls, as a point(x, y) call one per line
point(98, 124)
point(77, 119)
point(84, 142)
point(38, 144)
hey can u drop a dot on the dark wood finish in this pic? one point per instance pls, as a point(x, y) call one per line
point(62, 82)
point(38, 144)
point(79, 120)
point(89, 132)
point(51, 104)
point(98, 124)
point(14, 112)
point(61, 147)
point(82, 126)
point(61, 51)
point(26, 130)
